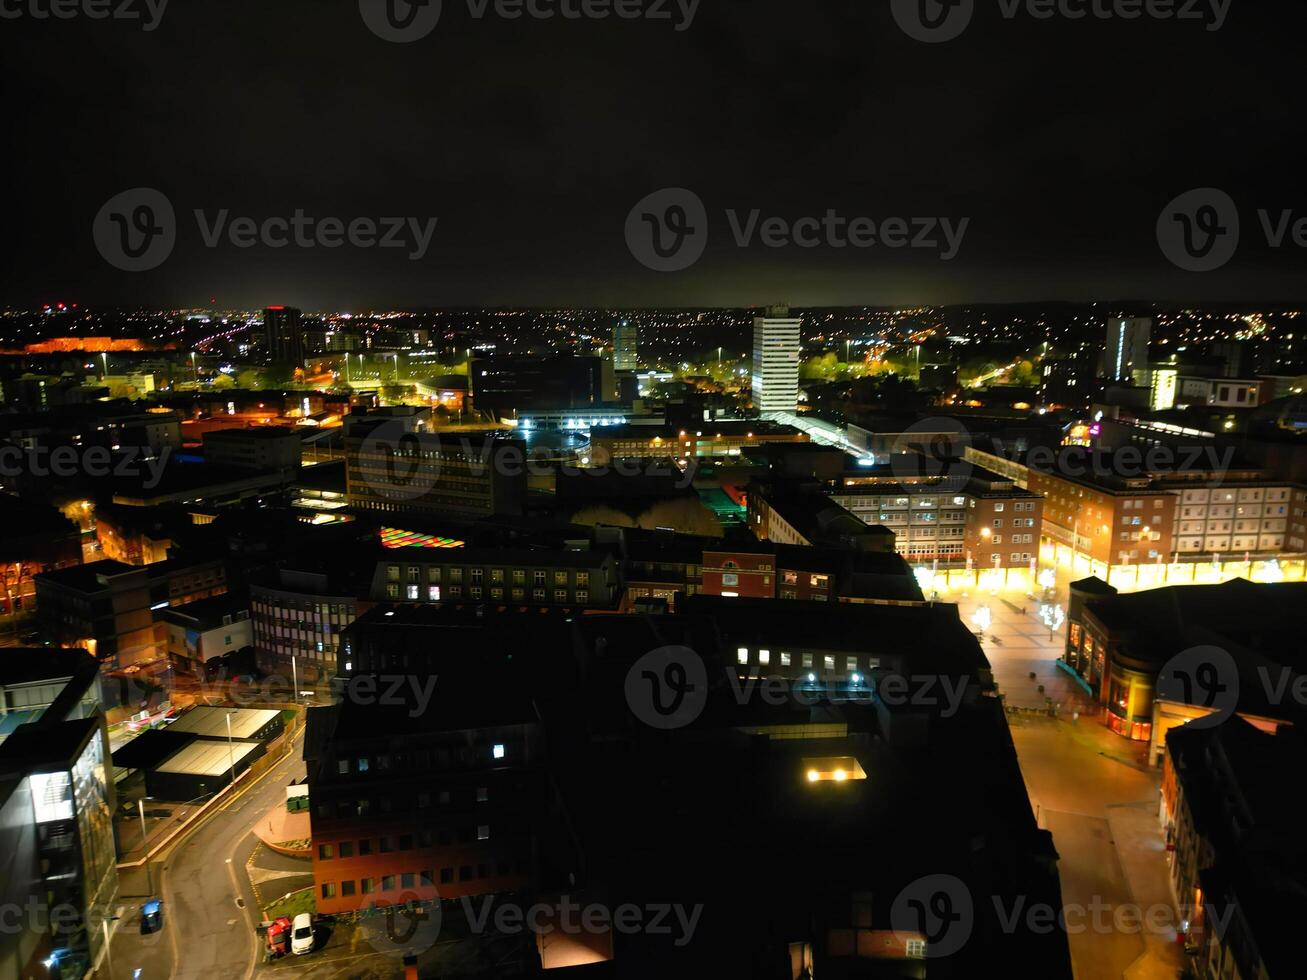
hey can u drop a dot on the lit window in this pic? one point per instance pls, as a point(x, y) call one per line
point(483, 832)
point(742, 655)
point(498, 751)
point(764, 657)
point(785, 659)
point(829, 663)
point(433, 593)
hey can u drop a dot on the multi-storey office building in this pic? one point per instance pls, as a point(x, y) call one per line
point(709, 440)
point(777, 343)
point(1235, 845)
point(1137, 510)
point(299, 615)
point(1248, 516)
point(390, 470)
point(56, 818)
point(979, 517)
point(854, 645)
point(516, 577)
point(429, 790)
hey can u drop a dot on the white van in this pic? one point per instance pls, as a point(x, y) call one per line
point(301, 934)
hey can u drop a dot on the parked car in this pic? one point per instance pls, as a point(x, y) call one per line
point(151, 916)
point(301, 936)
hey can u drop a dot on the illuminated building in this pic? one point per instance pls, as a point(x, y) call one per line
point(300, 612)
point(1126, 347)
point(977, 516)
point(1117, 644)
point(56, 815)
point(776, 348)
point(626, 339)
point(708, 440)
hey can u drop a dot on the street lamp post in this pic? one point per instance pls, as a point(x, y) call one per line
point(145, 845)
point(231, 752)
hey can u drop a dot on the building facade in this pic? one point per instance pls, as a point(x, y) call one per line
point(582, 579)
point(777, 344)
point(398, 472)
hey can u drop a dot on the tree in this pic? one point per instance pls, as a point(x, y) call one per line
point(250, 379)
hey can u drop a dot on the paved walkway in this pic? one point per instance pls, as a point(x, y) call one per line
point(1093, 790)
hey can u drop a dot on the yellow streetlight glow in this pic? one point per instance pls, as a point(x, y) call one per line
point(813, 775)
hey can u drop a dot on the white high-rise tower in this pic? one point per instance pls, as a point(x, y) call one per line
point(776, 346)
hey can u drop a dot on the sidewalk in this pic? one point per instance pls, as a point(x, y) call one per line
point(1142, 852)
point(282, 830)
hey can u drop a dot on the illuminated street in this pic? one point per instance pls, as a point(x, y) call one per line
point(1089, 788)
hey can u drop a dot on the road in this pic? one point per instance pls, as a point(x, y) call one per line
point(1091, 788)
point(210, 910)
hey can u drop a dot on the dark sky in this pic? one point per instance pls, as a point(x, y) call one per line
point(531, 140)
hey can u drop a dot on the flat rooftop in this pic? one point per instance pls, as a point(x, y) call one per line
point(202, 758)
point(211, 722)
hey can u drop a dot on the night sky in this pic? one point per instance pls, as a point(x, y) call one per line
point(531, 141)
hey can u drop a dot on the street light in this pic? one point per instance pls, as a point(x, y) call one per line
point(145, 845)
point(231, 752)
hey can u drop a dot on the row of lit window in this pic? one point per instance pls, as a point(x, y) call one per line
point(807, 660)
point(413, 573)
point(476, 593)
